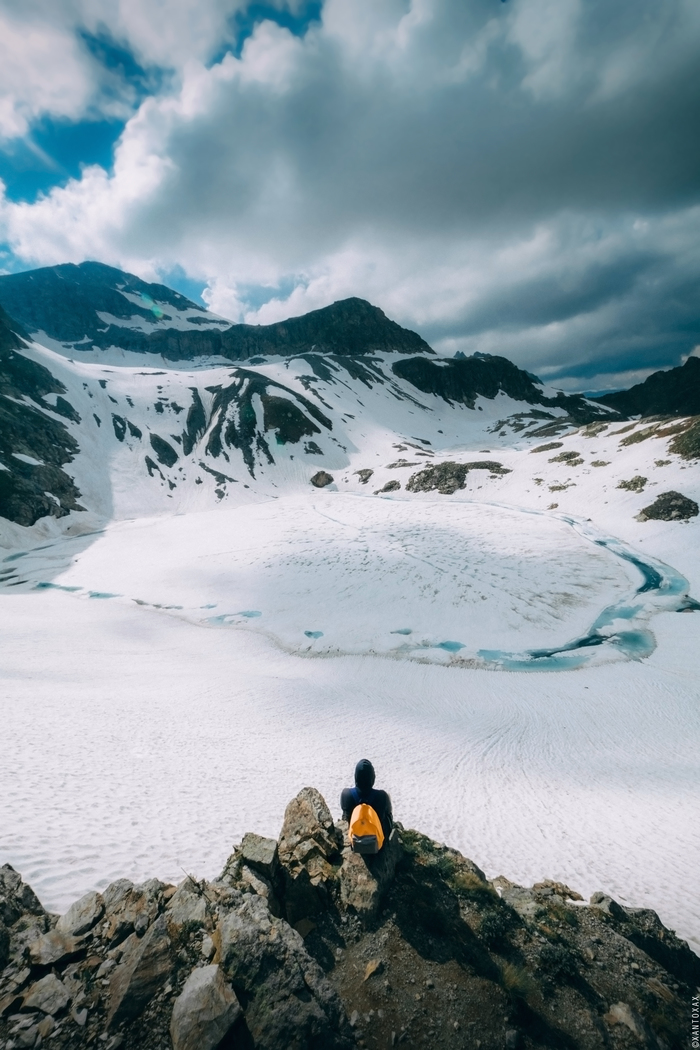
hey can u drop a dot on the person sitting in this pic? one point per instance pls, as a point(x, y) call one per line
point(365, 791)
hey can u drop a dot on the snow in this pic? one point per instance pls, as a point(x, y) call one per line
point(142, 738)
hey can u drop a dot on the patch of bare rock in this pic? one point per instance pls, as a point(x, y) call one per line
point(449, 476)
point(300, 944)
point(669, 506)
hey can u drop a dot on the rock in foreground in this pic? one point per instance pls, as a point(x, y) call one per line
point(301, 944)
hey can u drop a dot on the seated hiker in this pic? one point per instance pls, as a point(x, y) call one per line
point(357, 805)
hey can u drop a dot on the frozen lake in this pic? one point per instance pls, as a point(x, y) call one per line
point(139, 739)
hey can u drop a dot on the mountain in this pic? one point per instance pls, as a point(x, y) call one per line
point(673, 392)
point(299, 943)
point(92, 306)
point(311, 386)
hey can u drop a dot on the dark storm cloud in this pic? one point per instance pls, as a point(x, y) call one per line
point(520, 175)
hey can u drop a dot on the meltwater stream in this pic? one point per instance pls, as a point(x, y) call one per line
point(622, 626)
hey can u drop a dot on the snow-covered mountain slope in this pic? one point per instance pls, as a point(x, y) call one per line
point(187, 616)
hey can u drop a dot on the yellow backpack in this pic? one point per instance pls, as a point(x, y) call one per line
point(365, 830)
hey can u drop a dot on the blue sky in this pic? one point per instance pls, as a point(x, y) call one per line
point(518, 178)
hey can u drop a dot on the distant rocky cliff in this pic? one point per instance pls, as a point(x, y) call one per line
point(301, 944)
point(673, 392)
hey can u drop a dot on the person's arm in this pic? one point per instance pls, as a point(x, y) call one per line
point(347, 803)
point(388, 816)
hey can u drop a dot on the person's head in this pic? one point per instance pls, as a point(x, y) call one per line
point(364, 774)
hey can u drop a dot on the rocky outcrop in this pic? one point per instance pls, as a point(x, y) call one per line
point(302, 945)
point(462, 380)
point(669, 506)
point(449, 476)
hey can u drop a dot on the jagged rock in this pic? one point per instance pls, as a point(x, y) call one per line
point(26, 1037)
point(364, 475)
point(309, 854)
point(48, 995)
point(204, 1011)
point(54, 947)
point(82, 915)
point(4, 944)
point(558, 888)
point(16, 898)
point(607, 904)
point(363, 880)
point(46, 1026)
point(259, 853)
point(129, 907)
point(669, 506)
point(322, 478)
point(143, 969)
point(187, 904)
point(292, 1004)
point(297, 986)
point(260, 885)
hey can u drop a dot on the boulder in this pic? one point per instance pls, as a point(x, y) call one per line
point(291, 1003)
point(309, 854)
point(260, 854)
point(53, 948)
point(144, 967)
point(607, 905)
point(204, 1011)
point(48, 995)
point(322, 478)
point(82, 915)
point(187, 904)
point(129, 907)
point(365, 879)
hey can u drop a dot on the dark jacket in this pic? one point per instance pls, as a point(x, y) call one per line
point(378, 800)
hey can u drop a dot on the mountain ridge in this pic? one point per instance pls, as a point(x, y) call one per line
point(96, 306)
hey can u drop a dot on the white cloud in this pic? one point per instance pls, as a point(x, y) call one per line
point(483, 175)
point(42, 72)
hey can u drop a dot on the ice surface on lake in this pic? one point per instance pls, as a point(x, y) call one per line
point(466, 576)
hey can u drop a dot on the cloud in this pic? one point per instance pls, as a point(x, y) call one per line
point(518, 178)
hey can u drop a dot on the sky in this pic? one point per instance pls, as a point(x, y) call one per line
point(517, 177)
